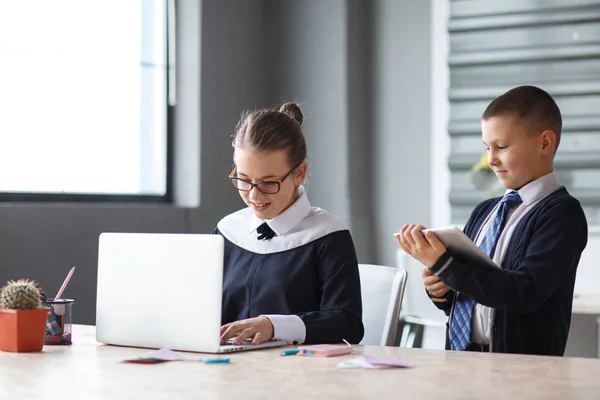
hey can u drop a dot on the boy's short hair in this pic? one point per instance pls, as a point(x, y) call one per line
point(532, 106)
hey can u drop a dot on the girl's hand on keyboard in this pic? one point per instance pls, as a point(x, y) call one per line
point(259, 329)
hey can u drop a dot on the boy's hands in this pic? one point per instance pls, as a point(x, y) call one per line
point(433, 284)
point(426, 248)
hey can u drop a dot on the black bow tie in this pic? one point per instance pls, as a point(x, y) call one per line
point(265, 232)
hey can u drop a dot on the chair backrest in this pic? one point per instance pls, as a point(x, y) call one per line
point(416, 302)
point(382, 290)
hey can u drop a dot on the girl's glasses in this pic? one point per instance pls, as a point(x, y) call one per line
point(267, 187)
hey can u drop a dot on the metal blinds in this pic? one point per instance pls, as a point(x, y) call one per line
point(553, 44)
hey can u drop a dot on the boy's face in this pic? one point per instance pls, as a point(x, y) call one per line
point(516, 156)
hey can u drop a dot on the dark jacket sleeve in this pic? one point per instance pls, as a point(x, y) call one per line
point(340, 314)
point(558, 236)
point(444, 303)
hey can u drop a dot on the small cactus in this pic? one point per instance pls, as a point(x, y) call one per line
point(22, 294)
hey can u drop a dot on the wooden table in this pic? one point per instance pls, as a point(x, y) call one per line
point(87, 370)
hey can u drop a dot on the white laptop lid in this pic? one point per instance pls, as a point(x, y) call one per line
point(160, 290)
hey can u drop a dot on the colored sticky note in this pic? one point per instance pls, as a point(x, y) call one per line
point(373, 362)
point(215, 360)
point(387, 361)
point(160, 355)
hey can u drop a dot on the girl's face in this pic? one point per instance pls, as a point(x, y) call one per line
point(278, 181)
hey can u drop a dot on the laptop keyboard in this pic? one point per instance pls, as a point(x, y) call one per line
point(225, 348)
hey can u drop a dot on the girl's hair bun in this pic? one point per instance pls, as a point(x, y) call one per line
point(293, 110)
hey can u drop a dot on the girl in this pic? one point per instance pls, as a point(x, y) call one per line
point(290, 270)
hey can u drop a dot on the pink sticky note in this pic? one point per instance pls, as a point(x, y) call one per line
point(166, 355)
point(387, 361)
point(160, 355)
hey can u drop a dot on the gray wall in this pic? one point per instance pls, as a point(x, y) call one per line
point(318, 55)
point(349, 64)
point(362, 72)
point(401, 119)
point(307, 57)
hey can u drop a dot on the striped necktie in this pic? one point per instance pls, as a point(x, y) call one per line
point(460, 333)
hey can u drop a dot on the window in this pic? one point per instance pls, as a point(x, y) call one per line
point(83, 100)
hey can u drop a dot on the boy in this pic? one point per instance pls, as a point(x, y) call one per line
point(536, 233)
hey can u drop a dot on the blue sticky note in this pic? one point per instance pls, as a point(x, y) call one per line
point(289, 352)
point(215, 360)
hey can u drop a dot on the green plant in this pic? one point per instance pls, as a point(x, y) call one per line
point(483, 177)
point(22, 294)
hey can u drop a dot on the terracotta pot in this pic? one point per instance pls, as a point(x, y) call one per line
point(22, 330)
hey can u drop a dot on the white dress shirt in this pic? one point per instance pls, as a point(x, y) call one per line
point(290, 328)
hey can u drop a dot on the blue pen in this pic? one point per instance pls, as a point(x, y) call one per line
point(215, 360)
point(289, 352)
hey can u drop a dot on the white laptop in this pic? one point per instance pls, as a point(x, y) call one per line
point(160, 290)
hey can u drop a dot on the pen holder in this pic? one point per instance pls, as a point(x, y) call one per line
point(58, 322)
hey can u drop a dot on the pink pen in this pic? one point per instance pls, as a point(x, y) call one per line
point(65, 283)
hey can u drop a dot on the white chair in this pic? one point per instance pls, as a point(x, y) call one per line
point(382, 290)
point(421, 324)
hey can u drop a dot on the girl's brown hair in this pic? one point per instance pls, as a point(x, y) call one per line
point(267, 129)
